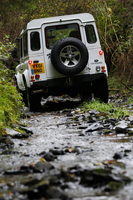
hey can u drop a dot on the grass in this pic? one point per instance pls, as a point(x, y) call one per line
point(110, 109)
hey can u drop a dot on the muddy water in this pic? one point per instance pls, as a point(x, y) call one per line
point(61, 130)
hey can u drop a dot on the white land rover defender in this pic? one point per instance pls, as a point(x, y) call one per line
point(61, 55)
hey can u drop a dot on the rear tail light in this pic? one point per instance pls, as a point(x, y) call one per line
point(30, 62)
point(37, 76)
point(101, 53)
point(32, 78)
point(103, 69)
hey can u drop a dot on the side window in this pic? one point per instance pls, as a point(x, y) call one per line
point(25, 39)
point(90, 34)
point(35, 41)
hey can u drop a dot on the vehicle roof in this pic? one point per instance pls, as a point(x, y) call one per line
point(37, 23)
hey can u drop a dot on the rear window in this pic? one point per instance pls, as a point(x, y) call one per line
point(90, 34)
point(55, 33)
point(35, 41)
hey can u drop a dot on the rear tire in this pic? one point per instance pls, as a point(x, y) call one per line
point(32, 101)
point(100, 89)
point(87, 93)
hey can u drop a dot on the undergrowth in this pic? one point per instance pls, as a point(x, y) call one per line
point(10, 100)
point(110, 109)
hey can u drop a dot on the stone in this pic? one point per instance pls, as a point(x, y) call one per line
point(42, 166)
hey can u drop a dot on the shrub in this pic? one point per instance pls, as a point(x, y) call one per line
point(10, 100)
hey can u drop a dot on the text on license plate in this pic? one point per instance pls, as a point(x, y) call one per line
point(37, 68)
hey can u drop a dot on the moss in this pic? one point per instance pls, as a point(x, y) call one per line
point(114, 185)
point(102, 171)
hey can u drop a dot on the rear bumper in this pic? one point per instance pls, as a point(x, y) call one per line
point(66, 81)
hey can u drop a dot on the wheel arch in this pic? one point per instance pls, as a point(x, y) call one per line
point(19, 81)
point(25, 77)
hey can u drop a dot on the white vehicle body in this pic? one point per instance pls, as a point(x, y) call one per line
point(36, 73)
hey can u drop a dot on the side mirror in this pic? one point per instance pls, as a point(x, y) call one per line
point(14, 53)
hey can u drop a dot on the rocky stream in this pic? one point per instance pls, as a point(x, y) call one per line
point(67, 155)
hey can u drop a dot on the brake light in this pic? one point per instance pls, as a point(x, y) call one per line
point(32, 78)
point(30, 62)
point(101, 53)
point(37, 76)
point(103, 69)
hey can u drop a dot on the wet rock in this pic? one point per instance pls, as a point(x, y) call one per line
point(127, 150)
point(42, 189)
point(118, 155)
point(91, 119)
point(100, 177)
point(9, 142)
point(18, 172)
point(16, 134)
point(56, 152)
point(113, 186)
point(130, 118)
point(39, 167)
point(107, 132)
point(93, 112)
point(56, 180)
point(122, 127)
point(49, 156)
point(76, 149)
point(110, 163)
point(76, 118)
point(37, 188)
point(75, 168)
point(26, 169)
point(9, 152)
point(42, 166)
point(42, 153)
point(112, 121)
point(93, 127)
point(130, 131)
point(68, 177)
point(69, 114)
point(83, 127)
point(27, 130)
point(82, 134)
point(95, 178)
point(54, 192)
point(6, 142)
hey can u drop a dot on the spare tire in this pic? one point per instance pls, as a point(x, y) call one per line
point(69, 56)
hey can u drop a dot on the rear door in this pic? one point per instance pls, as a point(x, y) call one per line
point(51, 34)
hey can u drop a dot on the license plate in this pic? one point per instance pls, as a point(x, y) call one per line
point(37, 68)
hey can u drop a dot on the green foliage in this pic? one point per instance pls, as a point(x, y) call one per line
point(114, 84)
point(114, 20)
point(108, 110)
point(5, 48)
point(130, 100)
point(10, 100)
